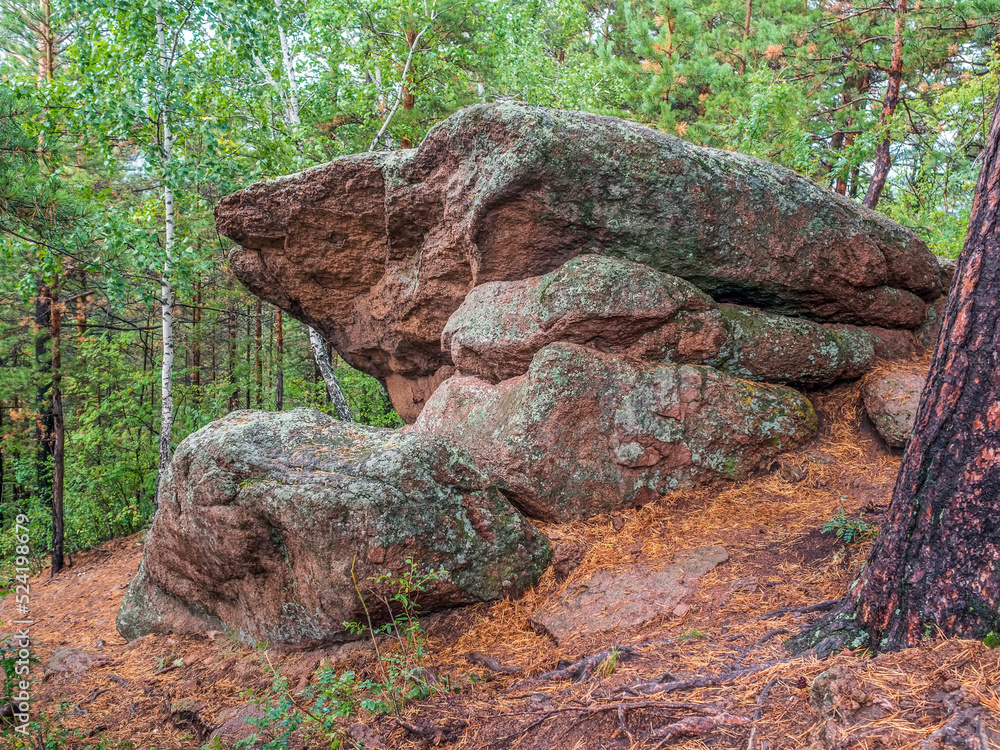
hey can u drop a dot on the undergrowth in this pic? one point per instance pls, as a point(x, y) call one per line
point(322, 710)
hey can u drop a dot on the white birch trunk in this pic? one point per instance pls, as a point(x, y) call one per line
point(166, 287)
point(318, 344)
point(332, 386)
point(292, 110)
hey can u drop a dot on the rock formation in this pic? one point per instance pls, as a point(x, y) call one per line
point(584, 432)
point(596, 312)
point(618, 306)
point(266, 523)
point(376, 251)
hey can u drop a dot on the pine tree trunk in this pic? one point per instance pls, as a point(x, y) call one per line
point(58, 443)
point(883, 157)
point(935, 563)
point(45, 422)
point(258, 362)
point(196, 345)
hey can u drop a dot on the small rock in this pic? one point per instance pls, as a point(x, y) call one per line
point(188, 706)
point(821, 697)
point(966, 730)
point(365, 736)
point(72, 660)
point(231, 725)
point(566, 556)
point(891, 402)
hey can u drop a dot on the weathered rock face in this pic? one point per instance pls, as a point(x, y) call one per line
point(779, 349)
point(891, 402)
point(584, 432)
point(378, 250)
point(627, 598)
point(604, 303)
point(264, 519)
point(614, 305)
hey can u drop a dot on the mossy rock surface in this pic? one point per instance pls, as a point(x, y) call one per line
point(584, 432)
point(267, 521)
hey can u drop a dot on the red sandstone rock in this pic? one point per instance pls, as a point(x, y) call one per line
point(584, 432)
point(376, 251)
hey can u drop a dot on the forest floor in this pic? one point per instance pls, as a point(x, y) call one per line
point(133, 694)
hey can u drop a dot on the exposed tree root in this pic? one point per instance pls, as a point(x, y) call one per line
point(658, 687)
point(818, 607)
point(711, 718)
point(696, 725)
point(579, 670)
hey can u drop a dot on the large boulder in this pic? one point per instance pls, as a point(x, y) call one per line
point(376, 251)
point(614, 305)
point(266, 523)
point(584, 432)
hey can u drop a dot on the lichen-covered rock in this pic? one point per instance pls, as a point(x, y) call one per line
point(584, 432)
point(779, 349)
point(891, 402)
point(614, 305)
point(607, 304)
point(266, 520)
point(377, 251)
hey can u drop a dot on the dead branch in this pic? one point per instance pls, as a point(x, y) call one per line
point(656, 687)
point(758, 712)
point(488, 662)
point(771, 634)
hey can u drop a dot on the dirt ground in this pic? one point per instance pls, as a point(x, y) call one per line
point(131, 696)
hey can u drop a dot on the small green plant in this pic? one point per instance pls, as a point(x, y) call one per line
point(693, 635)
point(323, 708)
point(609, 665)
point(992, 639)
point(849, 530)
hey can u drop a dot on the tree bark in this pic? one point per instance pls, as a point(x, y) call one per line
point(935, 564)
point(196, 345)
point(258, 362)
point(45, 420)
point(746, 35)
point(166, 285)
point(332, 386)
point(279, 375)
point(883, 157)
point(58, 443)
point(231, 333)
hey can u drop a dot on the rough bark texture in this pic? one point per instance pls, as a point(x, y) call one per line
point(883, 157)
point(935, 564)
point(376, 251)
